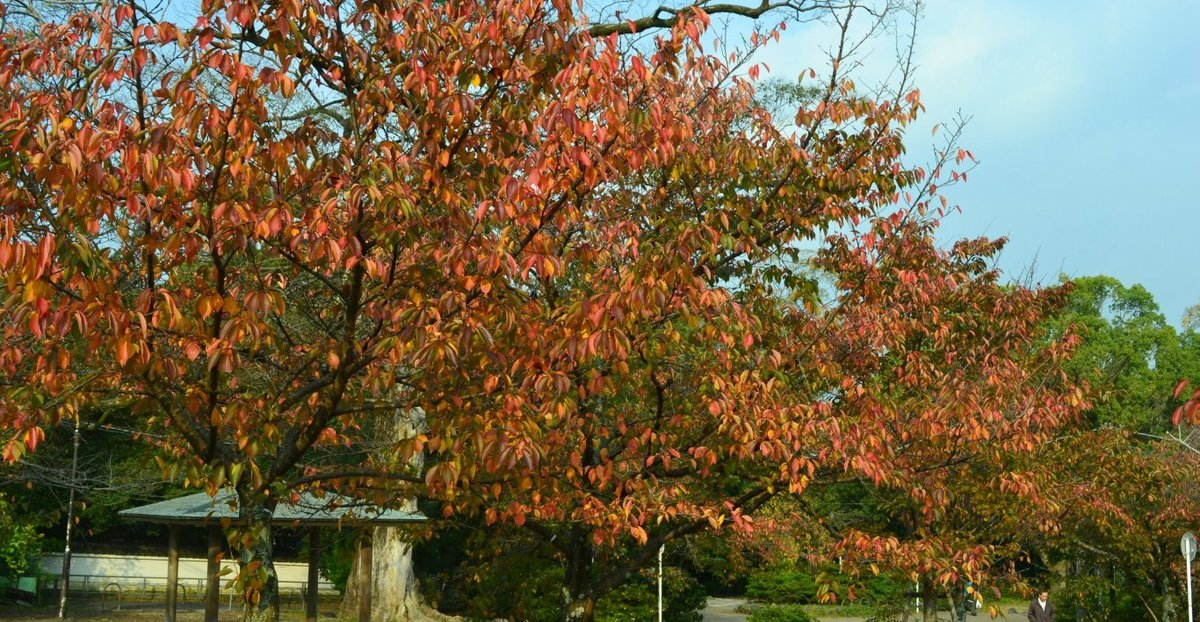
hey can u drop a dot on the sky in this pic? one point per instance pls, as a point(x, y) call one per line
point(1085, 119)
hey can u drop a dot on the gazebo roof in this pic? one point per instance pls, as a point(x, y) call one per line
point(330, 510)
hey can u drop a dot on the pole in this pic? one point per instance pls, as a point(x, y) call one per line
point(172, 573)
point(314, 567)
point(365, 561)
point(1189, 573)
point(212, 590)
point(660, 581)
point(66, 566)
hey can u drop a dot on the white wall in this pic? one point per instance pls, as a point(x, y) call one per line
point(96, 571)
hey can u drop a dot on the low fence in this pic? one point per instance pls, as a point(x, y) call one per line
point(93, 573)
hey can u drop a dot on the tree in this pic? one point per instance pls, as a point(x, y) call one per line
point(581, 260)
point(1129, 355)
point(1121, 477)
point(1191, 318)
point(1113, 533)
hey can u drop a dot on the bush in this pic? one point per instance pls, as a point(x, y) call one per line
point(881, 589)
point(530, 590)
point(802, 586)
point(20, 543)
point(780, 613)
point(782, 586)
point(683, 598)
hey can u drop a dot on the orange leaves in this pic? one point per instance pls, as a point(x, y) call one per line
point(34, 437)
point(209, 304)
point(555, 250)
point(13, 450)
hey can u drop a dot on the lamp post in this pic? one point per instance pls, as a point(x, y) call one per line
point(1188, 545)
point(660, 581)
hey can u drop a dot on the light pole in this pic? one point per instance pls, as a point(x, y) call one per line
point(660, 581)
point(1188, 545)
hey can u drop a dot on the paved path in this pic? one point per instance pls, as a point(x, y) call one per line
point(725, 610)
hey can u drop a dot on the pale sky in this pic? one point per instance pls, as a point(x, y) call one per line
point(1085, 117)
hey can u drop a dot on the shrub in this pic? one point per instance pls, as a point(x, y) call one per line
point(780, 613)
point(802, 586)
point(683, 598)
point(782, 586)
point(20, 543)
point(531, 590)
point(881, 589)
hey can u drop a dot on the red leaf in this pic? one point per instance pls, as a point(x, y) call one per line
point(1179, 388)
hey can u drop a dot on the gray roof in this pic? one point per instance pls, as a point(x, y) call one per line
point(328, 511)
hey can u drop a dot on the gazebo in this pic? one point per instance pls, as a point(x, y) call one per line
point(311, 512)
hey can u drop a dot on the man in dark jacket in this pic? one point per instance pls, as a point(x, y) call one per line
point(1040, 610)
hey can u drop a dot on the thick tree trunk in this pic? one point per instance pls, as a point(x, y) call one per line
point(256, 555)
point(396, 595)
point(579, 601)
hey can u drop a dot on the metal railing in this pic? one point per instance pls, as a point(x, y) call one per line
point(92, 584)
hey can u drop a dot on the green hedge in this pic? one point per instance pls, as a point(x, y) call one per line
point(533, 593)
point(802, 586)
point(780, 613)
point(783, 586)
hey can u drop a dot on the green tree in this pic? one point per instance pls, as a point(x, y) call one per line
point(1130, 355)
point(20, 542)
point(1121, 482)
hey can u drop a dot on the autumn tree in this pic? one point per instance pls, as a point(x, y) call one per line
point(583, 261)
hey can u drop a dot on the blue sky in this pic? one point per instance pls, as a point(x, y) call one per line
point(1085, 117)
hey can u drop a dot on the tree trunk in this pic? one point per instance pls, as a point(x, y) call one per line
point(1168, 598)
point(579, 602)
point(929, 600)
point(395, 593)
point(260, 583)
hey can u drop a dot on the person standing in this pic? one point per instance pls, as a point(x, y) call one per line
point(1040, 609)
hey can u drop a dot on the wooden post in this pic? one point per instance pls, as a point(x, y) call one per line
point(365, 562)
point(172, 572)
point(314, 558)
point(212, 587)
